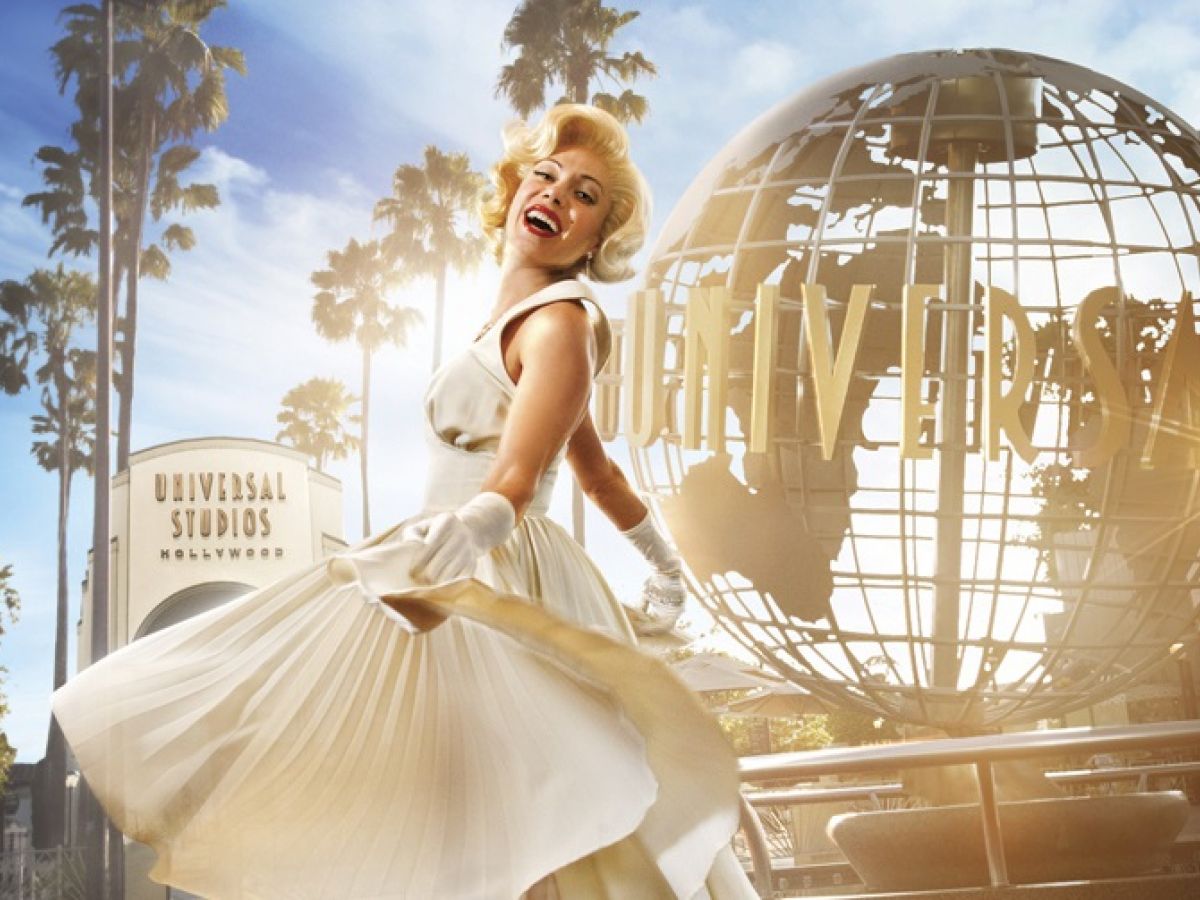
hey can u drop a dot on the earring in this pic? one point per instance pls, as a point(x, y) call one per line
point(587, 267)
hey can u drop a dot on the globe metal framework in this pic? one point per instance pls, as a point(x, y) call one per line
point(957, 590)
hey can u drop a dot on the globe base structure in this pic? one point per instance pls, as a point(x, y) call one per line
point(1046, 840)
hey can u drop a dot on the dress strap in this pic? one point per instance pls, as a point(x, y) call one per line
point(568, 289)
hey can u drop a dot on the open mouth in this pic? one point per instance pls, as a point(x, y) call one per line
point(542, 221)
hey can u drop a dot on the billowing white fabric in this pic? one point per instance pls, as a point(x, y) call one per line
point(344, 733)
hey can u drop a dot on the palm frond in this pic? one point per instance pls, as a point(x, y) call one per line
point(178, 237)
point(628, 107)
point(199, 196)
point(154, 263)
point(230, 58)
point(175, 159)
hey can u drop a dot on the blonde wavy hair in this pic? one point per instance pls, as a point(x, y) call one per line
point(575, 125)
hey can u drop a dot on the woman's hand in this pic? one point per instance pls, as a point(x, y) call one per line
point(663, 595)
point(451, 543)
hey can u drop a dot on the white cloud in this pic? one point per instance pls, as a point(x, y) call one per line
point(691, 27)
point(1187, 94)
point(432, 64)
point(23, 238)
point(760, 67)
point(215, 166)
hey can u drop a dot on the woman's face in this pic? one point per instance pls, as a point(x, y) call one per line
point(556, 213)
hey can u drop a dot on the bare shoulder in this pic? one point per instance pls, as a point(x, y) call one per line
point(560, 325)
point(557, 336)
point(569, 315)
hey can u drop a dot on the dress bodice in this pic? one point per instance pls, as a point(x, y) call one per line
point(468, 399)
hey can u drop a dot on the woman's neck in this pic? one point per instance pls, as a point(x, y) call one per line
point(519, 282)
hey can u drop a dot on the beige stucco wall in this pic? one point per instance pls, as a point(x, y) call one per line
point(212, 511)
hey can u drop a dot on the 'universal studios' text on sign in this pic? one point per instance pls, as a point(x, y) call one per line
point(220, 505)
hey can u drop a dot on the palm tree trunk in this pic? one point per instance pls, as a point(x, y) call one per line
point(56, 745)
point(115, 330)
point(578, 76)
point(64, 501)
point(128, 351)
point(439, 310)
point(362, 450)
point(133, 273)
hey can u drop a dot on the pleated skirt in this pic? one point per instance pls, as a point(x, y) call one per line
point(344, 733)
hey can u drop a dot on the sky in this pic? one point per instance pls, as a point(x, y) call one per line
point(335, 98)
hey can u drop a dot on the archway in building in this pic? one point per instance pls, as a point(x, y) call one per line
point(191, 601)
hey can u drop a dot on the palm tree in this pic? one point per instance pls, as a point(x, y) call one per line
point(566, 42)
point(314, 417)
point(351, 302)
point(171, 84)
point(426, 212)
point(62, 302)
point(17, 342)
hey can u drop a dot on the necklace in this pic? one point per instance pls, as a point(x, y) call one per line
point(487, 326)
point(484, 330)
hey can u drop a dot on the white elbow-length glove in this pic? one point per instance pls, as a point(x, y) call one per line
point(663, 593)
point(452, 542)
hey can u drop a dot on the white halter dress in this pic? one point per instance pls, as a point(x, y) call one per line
point(345, 734)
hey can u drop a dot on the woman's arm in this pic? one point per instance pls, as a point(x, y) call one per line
point(554, 354)
point(554, 347)
point(601, 479)
point(663, 593)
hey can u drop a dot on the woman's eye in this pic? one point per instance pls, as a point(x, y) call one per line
point(543, 175)
point(585, 196)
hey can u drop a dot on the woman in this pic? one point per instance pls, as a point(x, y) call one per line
point(453, 708)
point(567, 198)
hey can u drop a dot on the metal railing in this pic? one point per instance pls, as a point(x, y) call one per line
point(981, 752)
point(54, 874)
point(1142, 774)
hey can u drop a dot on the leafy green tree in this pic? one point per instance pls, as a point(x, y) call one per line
point(566, 42)
point(851, 727)
point(751, 735)
point(314, 418)
point(754, 734)
point(351, 302)
point(10, 603)
point(428, 212)
point(170, 86)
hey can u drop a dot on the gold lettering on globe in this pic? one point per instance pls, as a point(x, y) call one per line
point(709, 316)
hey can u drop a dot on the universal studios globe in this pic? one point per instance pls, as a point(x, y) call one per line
point(915, 386)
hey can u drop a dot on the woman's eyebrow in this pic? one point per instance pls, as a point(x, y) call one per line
point(591, 178)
